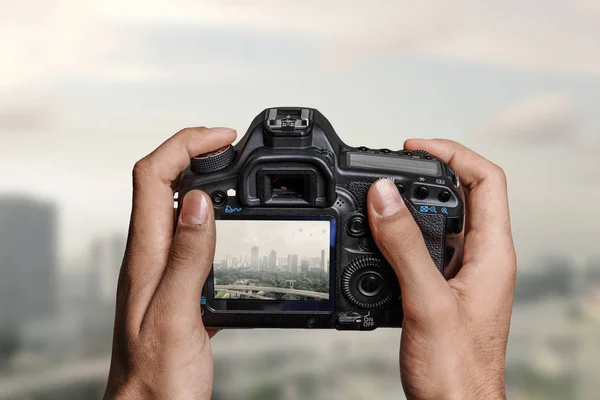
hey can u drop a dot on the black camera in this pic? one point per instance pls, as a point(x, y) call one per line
point(293, 243)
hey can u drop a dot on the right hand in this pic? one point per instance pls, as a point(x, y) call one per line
point(454, 332)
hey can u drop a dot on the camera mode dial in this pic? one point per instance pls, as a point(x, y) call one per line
point(213, 161)
point(368, 283)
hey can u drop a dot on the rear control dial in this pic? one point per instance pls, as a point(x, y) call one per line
point(368, 282)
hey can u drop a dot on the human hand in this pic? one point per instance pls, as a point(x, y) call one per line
point(160, 346)
point(455, 332)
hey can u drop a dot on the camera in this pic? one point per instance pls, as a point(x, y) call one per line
point(294, 249)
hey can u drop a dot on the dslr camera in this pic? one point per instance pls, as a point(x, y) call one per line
point(294, 249)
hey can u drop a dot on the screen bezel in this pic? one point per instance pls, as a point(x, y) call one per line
point(277, 306)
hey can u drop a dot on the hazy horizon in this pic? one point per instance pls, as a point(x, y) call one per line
point(304, 238)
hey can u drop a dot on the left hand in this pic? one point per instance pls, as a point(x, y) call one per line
point(160, 347)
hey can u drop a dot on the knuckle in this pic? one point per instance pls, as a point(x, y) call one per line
point(143, 168)
point(494, 173)
point(498, 173)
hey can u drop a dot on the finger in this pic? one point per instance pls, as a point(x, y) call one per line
point(151, 227)
point(401, 242)
point(190, 258)
point(488, 238)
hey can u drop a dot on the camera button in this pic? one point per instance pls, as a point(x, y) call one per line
point(218, 198)
point(385, 151)
point(357, 225)
point(362, 148)
point(444, 196)
point(370, 284)
point(401, 188)
point(421, 192)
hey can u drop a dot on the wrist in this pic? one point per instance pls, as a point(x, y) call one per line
point(488, 389)
point(130, 390)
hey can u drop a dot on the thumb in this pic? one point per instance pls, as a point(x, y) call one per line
point(191, 254)
point(401, 242)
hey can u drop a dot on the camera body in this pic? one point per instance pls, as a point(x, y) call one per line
point(294, 248)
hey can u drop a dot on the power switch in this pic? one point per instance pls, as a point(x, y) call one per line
point(350, 321)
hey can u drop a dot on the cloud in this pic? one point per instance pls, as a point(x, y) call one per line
point(25, 113)
point(56, 40)
point(537, 118)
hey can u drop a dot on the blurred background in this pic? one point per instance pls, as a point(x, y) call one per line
point(87, 88)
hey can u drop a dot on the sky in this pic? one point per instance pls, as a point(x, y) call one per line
point(304, 238)
point(88, 88)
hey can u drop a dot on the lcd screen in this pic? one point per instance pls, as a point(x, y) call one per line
point(272, 260)
point(394, 163)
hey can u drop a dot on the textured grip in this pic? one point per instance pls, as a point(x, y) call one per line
point(433, 229)
point(359, 191)
point(432, 225)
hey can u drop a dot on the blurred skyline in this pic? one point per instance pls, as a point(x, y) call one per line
point(306, 238)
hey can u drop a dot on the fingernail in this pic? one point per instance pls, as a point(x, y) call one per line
point(387, 201)
point(194, 209)
point(222, 130)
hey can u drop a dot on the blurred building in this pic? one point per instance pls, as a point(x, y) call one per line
point(272, 260)
point(323, 260)
point(28, 262)
point(106, 256)
point(294, 263)
point(254, 257)
point(265, 263)
point(304, 266)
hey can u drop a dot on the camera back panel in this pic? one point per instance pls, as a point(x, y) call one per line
point(294, 248)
